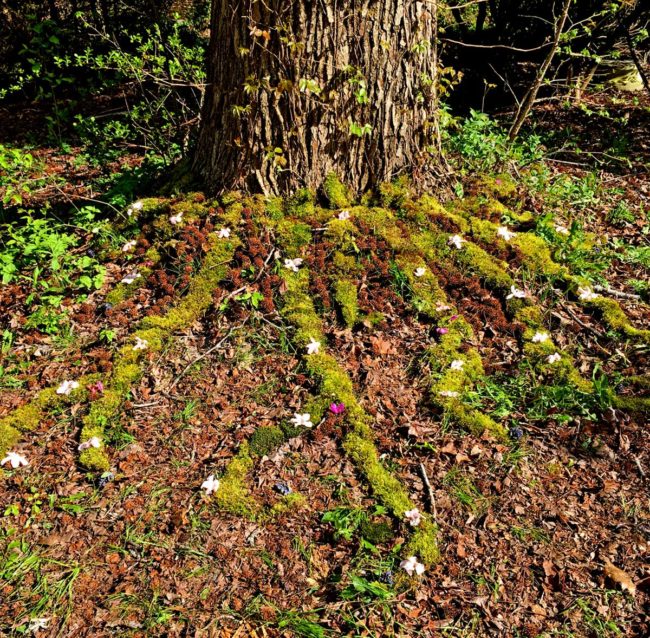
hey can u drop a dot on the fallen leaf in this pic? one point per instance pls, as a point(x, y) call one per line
point(620, 577)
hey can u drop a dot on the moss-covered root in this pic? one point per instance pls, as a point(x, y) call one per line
point(151, 336)
point(233, 495)
point(28, 416)
point(335, 385)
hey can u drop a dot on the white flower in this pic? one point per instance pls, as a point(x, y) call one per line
point(91, 442)
point(344, 214)
point(176, 219)
point(554, 358)
point(441, 307)
point(223, 233)
point(540, 337)
point(413, 517)
point(15, 460)
point(587, 294)
point(411, 565)
point(448, 393)
point(140, 344)
point(302, 419)
point(456, 240)
point(130, 245)
point(210, 485)
point(36, 624)
point(293, 264)
point(67, 386)
point(313, 346)
point(419, 272)
point(129, 279)
point(562, 230)
point(506, 233)
point(457, 364)
point(133, 207)
point(516, 292)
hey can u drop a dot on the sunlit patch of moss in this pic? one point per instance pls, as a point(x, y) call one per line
point(537, 255)
point(382, 224)
point(501, 186)
point(632, 404)
point(427, 209)
point(289, 503)
point(274, 208)
point(385, 486)
point(427, 293)
point(298, 308)
point(424, 543)
point(336, 192)
point(9, 436)
point(344, 264)
point(233, 495)
point(342, 232)
point(95, 458)
point(199, 296)
point(615, 318)
point(265, 439)
point(395, 194)
point(295, 235)
point(472, 259)
point(147, 208)
point(345, 294)
point(27, 417)
point(127, 366)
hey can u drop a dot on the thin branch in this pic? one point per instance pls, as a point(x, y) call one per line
point(432, 499)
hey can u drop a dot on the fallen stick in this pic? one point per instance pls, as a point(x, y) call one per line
point(432, 499)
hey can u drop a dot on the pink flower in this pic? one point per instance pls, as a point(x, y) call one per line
point(453, 317)
point(412, 565)
point(442, 331)
point(413, 517)
point(337, 408)
point(91, 442)
point(95, 390)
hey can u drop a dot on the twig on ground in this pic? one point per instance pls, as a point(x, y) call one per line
point(616, 293)
point(432, 498)
point(205, 354)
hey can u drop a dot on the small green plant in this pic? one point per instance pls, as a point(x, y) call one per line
point(621, 215)
point(483, 144)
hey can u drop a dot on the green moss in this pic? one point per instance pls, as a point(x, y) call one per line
point(337, 194)
point(473, 260)
point(286, 504)
point(395, 194)
point(95, 459)
point(9, 436)
point(377, 531)
point(121, 292)
point(386, 487)
point(424, 543)
point(295, 235)
point(298, 308)
point(345, 294)
point(233, 495)
point(345, 264)
point(500, 186)
point(632, 404)
point(265, 439)
point(302, 204)
point(615, 318)
point(536, 255)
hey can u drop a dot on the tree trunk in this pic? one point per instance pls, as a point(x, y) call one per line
point(298, 89)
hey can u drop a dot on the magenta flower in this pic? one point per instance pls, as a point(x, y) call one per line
point(95, 390)
point(337, 408)
point(442, 331)
point(453, 317)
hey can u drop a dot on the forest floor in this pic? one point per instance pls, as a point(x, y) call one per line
point(542, 532)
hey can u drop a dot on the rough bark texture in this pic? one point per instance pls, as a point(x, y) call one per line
point(286, 90)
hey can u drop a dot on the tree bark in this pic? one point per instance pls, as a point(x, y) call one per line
point(300, 88)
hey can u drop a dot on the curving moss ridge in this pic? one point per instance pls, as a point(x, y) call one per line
point(28, 416)
point(129, 362)
point(335, 385)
